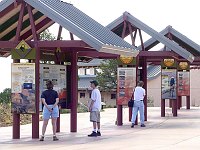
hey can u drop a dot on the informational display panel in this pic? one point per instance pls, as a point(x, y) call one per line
point(57, 74)
point(23, 88)
point(183, 79)
point(126, 82)
point(169, 83)
point(184, 83)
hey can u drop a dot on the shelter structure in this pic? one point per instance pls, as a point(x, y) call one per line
point(26, 19)
point(185, 43)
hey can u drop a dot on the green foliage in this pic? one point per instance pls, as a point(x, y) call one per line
point(107, 78)
point(46, 35)
point(5, 96)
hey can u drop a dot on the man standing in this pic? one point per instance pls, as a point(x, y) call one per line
point(139, 94)
point(94, 109)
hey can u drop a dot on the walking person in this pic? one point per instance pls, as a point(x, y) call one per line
point(94, 106)
point(50, 110)
point(139, 94)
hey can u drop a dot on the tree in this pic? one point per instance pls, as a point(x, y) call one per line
point(107, 77)
point(5, 96)
point(46, 35)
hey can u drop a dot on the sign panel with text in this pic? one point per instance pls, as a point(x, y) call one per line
point(23, 88)
point(126, 82)
point(57, 74)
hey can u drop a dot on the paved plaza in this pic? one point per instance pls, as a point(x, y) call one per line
point(174, 133)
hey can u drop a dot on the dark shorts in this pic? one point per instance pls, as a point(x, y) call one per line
point(95, 116)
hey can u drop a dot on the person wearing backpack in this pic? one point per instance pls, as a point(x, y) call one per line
point(139, 94)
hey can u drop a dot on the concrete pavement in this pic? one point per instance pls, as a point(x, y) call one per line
point(174, 133)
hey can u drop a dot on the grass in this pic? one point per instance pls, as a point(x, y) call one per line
point(6, 117)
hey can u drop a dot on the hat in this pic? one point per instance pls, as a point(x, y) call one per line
point(94, 82)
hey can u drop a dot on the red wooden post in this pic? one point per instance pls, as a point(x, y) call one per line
point(16, 117)
point(20, 21)
point(16, 126)
point(170, 103)
point(162, 107)
point(174, 107)
point(130, 113)
point(35, 117)
point(58, 123)
point(144, 67)
point(187, 102)
point(74, 90)
point(179, 102)
point(119, 115)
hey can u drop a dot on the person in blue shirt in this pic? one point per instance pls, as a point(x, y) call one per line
point(50, 101)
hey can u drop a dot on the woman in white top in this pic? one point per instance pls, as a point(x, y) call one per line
point(139, 94)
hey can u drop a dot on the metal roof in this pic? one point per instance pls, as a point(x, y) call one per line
point(177, 37)
point(47, 12)
point(5, 3)
point(153, 72)
point(84, 81)
point(154, 34)
point(92, 63)
point(84, 27)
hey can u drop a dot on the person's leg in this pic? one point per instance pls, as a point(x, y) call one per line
point(98, 126)
point(45, 123)
point(141, 110)
point(54, 120)
point(134, 113)
point(98, 121)
point(93, 119)
point(94, 126)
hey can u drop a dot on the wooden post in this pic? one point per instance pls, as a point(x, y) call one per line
point(58, 123)
point(187, 102)
point(174, 107)
point(16, 117)
point(130, 113)
point(179, 102)
point(170, 103)
point(119, 115)
point(74, 91)
point(35, 117)
point(162, 107)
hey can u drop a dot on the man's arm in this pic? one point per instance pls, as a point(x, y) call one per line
point(91, 105)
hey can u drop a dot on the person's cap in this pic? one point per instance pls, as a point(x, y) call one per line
point(94, 82)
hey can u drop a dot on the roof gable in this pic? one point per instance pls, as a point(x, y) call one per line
point(84, 27)
point(154, 34)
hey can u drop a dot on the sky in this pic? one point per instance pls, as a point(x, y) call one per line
point(182, 15)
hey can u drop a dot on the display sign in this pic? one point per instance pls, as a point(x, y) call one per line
point(183, 79)
point(57, 74)
point(23, 51)
point(169, 82)
point(23, 88)
point(126, 82)
point(184, 83)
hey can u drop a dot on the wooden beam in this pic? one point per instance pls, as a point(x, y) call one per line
point(124, 30)
point(59, 32)
point(32, 22)
point(20, 21)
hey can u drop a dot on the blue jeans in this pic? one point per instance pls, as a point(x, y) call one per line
point(138, 105)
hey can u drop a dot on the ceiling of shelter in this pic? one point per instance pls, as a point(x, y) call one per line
point(9, 23)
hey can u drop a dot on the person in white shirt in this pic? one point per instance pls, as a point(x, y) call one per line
point(94, 109)
point(139, 94)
